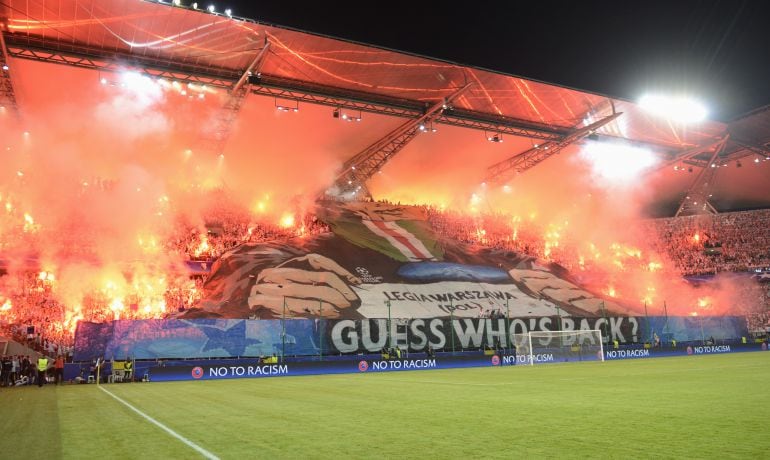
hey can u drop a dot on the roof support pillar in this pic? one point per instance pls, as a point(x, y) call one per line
point(503, 171)
point(214, 141)
point(696, 200)
point(351, 181)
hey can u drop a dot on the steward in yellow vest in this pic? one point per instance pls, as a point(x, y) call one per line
point(42, 367)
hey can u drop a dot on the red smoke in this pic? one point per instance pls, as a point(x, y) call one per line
point(109, 168)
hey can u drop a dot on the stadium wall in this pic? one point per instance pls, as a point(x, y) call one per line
point(253, 369)
point(217, 369)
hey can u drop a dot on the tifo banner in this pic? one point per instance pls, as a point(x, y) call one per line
point(445, 298)
point(382, 260)
point(228, 338)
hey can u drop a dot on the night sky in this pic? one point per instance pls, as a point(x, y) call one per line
point(717, 51)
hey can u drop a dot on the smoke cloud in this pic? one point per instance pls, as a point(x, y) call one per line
point(103, 168)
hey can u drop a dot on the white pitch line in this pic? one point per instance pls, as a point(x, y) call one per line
point(168, 430)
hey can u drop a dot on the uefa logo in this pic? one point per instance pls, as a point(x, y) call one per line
point(764, 346)
point(495, 360)
point(363, 366)
point(197, 372)
point(689, 350)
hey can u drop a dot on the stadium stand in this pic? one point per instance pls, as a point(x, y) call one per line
point(735, 242)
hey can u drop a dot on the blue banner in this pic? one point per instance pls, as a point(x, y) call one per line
point(694, 328)
point(199, 338)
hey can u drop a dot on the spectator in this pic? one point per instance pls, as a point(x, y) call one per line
point(59, 370)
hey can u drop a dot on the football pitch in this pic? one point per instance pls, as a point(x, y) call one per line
point(713, 406)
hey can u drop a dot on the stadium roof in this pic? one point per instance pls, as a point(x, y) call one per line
point(220, 48)
point(185, 44)
point(754, 125)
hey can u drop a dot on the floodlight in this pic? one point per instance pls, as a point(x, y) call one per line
point(338, 113)
point(211, 9)
point(286, 108)
point(229, 13)
point(675, 108)
point(427, 127)
point(617, 162)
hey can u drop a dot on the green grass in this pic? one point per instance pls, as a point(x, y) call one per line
point(689, 407)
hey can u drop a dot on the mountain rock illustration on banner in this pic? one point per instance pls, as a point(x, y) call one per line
point(380, 257)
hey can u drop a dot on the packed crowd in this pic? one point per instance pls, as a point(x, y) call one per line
point(32, 313)
point(736, 241)
point(697, 245)
point(733, 241)
point(759, 322)
point(35, 317)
